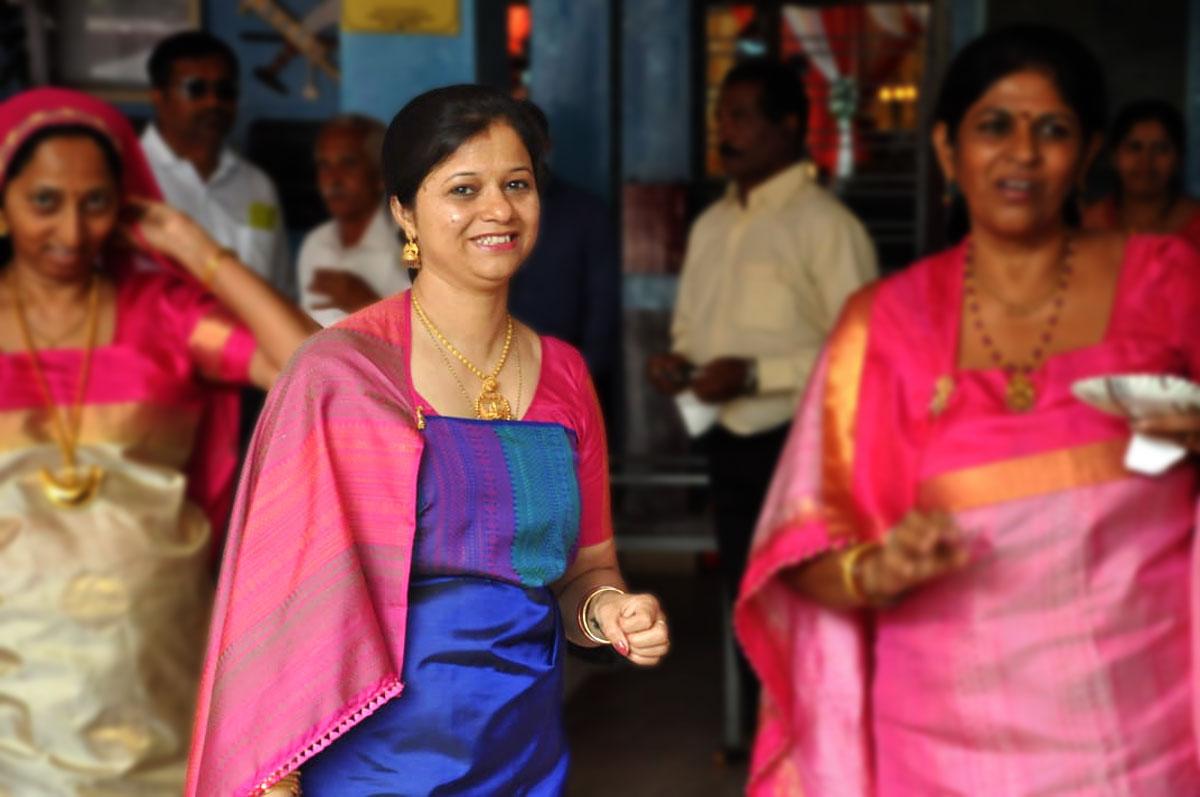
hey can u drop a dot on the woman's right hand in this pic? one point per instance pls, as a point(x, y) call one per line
point(922, 547)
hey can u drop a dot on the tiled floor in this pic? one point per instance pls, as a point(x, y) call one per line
point(652, 733)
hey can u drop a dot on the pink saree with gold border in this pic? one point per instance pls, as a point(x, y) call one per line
point(1058, 662)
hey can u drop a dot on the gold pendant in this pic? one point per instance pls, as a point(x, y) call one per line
point(491, 404)
point(1020, 395)
point(71, 488)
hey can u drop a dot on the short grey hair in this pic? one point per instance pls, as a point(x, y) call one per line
point(367, 128)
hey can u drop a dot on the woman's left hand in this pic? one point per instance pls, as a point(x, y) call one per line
point(635, 625)
point(157, 226)
point(1183, 429)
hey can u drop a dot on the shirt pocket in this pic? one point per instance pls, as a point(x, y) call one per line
point(762, 299)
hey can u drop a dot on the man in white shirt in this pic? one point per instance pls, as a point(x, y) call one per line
point(194, 78)
point(767, 270)
point(353, 259)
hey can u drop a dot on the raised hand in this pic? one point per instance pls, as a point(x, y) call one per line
point(158, 227)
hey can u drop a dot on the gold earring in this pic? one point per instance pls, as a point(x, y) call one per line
point(412, 254)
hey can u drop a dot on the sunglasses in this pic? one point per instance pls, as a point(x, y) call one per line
point(197, 88)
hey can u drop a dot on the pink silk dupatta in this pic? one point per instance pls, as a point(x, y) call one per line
point(877, 434)
point(308, 629)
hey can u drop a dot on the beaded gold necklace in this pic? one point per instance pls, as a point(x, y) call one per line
point(1020, 394)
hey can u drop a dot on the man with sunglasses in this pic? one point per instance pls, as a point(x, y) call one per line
point(194, 77)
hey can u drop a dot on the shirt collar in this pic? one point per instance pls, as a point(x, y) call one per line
point(159, 151)
point(775, 190)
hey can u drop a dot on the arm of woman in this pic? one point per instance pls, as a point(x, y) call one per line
point(921, 548)
point(278, 326)
point(633, 623)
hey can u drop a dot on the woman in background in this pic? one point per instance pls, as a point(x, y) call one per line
point(117, 449)
point(1147, 141)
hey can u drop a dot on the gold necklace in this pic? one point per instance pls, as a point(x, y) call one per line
point(1019, 392)
point(463, 388)
point(491, 405)
point(70, 487)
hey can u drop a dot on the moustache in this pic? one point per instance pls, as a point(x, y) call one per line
point(728, 151)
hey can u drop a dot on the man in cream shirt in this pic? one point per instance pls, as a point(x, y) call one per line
point(353, 259)
point(767, 269)
point(194, 78)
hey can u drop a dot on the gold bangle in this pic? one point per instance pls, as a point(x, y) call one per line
point(583, 615)
point(849, 562)
point(208, 272)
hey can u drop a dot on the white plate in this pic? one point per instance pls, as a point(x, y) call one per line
point(1139, 395)
point(1143, 396)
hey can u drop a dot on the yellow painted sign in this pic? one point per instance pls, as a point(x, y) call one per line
point(430, 17)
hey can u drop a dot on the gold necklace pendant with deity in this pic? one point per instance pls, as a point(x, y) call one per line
point(491, 404)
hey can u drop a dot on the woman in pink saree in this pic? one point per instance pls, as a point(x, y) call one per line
point(956, 588)
point(117, 449)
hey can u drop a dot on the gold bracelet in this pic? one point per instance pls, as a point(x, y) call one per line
point(585, 607)
point(849, 562)
point(208, 272)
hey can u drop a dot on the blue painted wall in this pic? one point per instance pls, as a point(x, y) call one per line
point(570, 65)
point(382, 72)
point(656, 85)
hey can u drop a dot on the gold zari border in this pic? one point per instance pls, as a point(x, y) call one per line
point(1025, 477)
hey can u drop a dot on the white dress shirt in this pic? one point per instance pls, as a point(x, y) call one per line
point(375, 258)
point(766, 281)
point(237, 205)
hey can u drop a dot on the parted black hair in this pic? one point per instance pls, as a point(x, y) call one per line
point(1076, 73)
point(24, 153)
point(433, 125)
